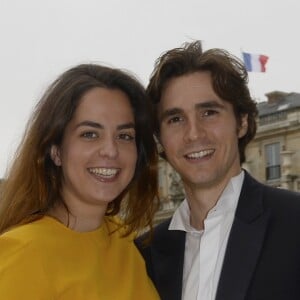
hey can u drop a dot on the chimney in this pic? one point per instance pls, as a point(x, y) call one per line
point(275, 97)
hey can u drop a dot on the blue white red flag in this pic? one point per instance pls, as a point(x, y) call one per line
point(255, 62)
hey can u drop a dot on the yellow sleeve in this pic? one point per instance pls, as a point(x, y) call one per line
point(22, 275)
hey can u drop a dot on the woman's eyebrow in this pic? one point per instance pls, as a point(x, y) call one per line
point(90, 124)
point(100, 126)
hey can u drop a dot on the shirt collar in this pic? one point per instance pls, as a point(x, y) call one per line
point(227, 202)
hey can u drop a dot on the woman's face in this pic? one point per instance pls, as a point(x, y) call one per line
point(98, 153)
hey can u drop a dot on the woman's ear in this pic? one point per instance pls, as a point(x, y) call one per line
point(55, 155)
point(243, 126)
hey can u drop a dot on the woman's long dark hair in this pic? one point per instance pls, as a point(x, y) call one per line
point(33, 183)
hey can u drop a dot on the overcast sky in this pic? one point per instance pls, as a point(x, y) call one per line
point(40, 39)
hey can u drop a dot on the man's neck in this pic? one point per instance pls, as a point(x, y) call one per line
point(200, 203)
point(202, 199)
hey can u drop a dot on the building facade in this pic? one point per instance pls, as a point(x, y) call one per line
point(273, 157)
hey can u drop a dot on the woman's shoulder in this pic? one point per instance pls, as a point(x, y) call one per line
point(25, 236)
point(18, 244)
point(22, 230)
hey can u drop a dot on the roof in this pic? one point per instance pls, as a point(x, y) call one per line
point(283, 102)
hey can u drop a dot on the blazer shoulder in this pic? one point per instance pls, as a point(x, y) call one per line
point(276, 199)
point(159, 231)
point(283, 199)
point(162, 228)
point(161, 238)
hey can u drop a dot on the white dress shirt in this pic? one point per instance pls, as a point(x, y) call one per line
point(205, 249)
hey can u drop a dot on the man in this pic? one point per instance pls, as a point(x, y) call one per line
point(232, 238)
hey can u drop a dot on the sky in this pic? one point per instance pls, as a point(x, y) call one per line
point(40, 39)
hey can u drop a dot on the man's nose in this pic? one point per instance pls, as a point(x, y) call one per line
point(194, 130)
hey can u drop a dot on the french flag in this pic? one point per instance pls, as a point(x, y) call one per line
point(255, 62)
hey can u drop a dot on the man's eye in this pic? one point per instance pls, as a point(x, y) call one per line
point(209, 112)
point(174, 120)
point(89, 135)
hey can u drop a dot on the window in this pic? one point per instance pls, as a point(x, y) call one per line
point(272, 155)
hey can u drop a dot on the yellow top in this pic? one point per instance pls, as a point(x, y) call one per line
point(46, 260)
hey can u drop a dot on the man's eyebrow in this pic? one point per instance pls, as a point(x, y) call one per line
point(170, 112)
point(96, 125)
point(174, 111)
point(210, 104)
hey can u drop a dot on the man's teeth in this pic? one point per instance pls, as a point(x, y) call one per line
point(109, 172)
point(200, 154)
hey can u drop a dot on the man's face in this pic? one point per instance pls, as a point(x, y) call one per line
point(199, 131)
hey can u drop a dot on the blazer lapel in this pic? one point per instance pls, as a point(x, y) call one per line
point(168, 257)
point(244, 243)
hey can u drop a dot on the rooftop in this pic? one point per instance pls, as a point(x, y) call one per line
point(277, 102)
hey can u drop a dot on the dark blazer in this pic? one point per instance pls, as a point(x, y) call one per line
point(262, 259)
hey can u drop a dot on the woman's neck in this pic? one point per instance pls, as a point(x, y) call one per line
point(78, 221)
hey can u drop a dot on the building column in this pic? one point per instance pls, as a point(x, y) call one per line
point(286, 169)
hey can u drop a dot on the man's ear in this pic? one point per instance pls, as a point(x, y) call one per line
point(55, 155)
point(242, 130)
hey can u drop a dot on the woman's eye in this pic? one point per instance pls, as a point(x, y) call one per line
point(89, 135)
point(126, 136)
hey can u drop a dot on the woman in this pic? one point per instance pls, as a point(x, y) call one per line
point(87, 149)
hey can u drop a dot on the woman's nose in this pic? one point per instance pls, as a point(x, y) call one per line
point(108, 148)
